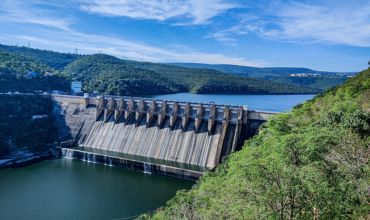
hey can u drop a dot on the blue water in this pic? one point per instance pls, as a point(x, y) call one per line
point(275, 103)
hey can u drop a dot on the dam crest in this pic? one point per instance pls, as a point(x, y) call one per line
point(156, 136)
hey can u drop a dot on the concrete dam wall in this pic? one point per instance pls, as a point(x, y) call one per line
point(169, 137)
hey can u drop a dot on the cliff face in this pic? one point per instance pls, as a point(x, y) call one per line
point(27, 129)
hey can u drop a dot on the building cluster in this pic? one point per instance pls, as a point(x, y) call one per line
point(33, 74)
point(342, 74)
point(305, 74)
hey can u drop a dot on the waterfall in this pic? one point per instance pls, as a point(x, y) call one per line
point(84, 157)
point(148, 168)
point(68, 153)
point(93, 158)
point(89, 157)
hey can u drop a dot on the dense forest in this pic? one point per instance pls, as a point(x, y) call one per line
point(53, 59)
point(19, 66)
point(110, 75)
point(33, 134)
point(312, 163)
point(14, 70)
point(323, 80)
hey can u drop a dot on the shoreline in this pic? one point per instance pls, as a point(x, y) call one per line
point(23, 157)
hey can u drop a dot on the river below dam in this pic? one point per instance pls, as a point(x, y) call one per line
point(73, 189)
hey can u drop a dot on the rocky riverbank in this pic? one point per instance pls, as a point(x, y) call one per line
point(27, 130)
point(25, 156)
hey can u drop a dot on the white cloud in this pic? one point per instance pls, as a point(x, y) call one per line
point(340, 23)
point(24, 12)
point(229, 36)
point(196, 11)
point(223, 37)
point(89, 44)
point(335, 22)
point(55, 32)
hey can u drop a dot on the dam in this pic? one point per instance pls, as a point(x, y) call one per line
point(155, 136)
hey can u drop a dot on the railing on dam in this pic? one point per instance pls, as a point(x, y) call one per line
point(181, 138)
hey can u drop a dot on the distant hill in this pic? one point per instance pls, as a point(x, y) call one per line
point(259, 72)
point(111, 75)
point(24, 74)
point(108, 74)
point(292, 75)
point(19, 66)
point(53, 59)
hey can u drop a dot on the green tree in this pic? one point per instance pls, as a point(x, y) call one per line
point(312, 163)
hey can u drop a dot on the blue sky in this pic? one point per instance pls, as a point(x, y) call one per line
point(325, 35)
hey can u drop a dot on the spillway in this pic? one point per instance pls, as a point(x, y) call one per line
point(168, 137)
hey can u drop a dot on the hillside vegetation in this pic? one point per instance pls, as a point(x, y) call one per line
point(324, 81)
point(35, 135)
point(53, 59)
point(312, 163)
point(19, 66)
point(13, 75)
point(110, 75)
point(115, 76)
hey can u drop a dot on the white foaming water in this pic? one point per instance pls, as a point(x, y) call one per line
point(68, 153)
point(148, 168)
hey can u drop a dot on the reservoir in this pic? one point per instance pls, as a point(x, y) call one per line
point(73, 189)
point(274, 103)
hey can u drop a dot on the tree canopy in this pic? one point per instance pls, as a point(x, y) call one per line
point(312, 163)
point(111, 75)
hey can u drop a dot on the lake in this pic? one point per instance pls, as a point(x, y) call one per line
point(73, 189)
point(275, 103)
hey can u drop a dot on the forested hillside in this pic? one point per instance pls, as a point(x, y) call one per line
point(33, 135)
point(24, 74)
point(248, 70)
point(318, 82)
point(115, 76)
point(312, 163)
point(313, 78)
point(19, 66)
point(110, 75)
point(50, 58)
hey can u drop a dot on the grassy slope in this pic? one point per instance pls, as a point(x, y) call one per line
point(308, 164)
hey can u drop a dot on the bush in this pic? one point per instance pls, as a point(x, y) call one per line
point(312, 163)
